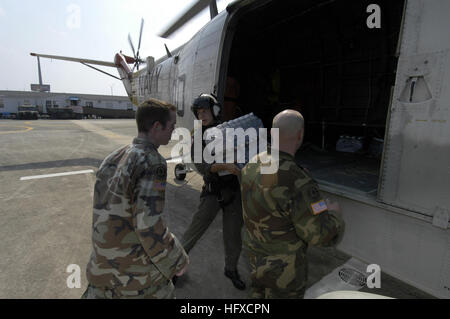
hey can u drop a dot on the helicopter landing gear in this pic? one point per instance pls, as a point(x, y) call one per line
point(180, 172)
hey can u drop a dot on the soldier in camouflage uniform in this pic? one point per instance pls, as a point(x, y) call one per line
point(134, 254)
point(283, 213)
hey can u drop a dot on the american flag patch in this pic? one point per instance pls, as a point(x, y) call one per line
point(319, 207)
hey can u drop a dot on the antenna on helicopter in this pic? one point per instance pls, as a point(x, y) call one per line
point(169, 54)
point(137, 58)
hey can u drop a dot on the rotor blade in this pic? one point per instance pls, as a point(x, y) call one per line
point(131, 60)
point(140, 36)
point(65, 58)
point(195, 9)
point(131, 44)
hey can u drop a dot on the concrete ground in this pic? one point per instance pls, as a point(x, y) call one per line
point(46, 222)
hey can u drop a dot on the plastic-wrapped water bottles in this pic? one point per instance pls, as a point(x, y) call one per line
point(349, 144)
point(248, 121)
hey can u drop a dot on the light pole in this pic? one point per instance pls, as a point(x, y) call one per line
point(111, 86)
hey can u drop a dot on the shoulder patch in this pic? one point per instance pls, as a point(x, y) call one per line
point(160, 171)
point(319, 207)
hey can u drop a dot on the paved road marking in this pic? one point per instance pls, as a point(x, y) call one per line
point(27, 128)
point(90, 126)
point(49, 124)
point(56, 174)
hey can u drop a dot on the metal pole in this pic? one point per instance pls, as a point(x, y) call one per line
point(39, 70)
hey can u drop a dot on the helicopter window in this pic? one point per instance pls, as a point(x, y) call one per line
point(324, 62)
point(180, 90)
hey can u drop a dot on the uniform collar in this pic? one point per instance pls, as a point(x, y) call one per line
point(144, 141)
point(284, 155)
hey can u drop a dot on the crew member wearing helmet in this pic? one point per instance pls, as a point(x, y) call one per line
point(218, 192)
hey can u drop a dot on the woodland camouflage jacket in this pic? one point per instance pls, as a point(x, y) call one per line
point(132, 246)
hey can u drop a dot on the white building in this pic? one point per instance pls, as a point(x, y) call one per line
point(11, 100)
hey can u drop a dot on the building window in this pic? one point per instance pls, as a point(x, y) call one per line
point(1, 103)
point(55, 104)
point(89, 104)
point(109, 104)
point(26, 102)
point(48, 103)
point(129, 106)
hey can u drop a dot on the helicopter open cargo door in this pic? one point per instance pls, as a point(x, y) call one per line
point(324, 62)
point(415, 173)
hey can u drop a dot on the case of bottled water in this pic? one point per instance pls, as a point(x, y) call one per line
point(240, 138)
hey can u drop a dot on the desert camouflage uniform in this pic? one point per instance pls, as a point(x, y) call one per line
point(134, 254)
point(283, 214)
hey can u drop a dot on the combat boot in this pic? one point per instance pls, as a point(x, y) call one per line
point(235, 279)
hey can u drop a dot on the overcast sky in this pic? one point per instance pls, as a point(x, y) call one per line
point(91, 29)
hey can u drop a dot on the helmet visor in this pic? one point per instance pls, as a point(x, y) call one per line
point(202, 104)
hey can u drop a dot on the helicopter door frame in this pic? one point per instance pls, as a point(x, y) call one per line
point(414, 174)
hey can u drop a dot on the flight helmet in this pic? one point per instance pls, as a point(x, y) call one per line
point(205, 101)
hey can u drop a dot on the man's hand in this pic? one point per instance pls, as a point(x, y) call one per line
point(230, 167)
point(183, 270)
